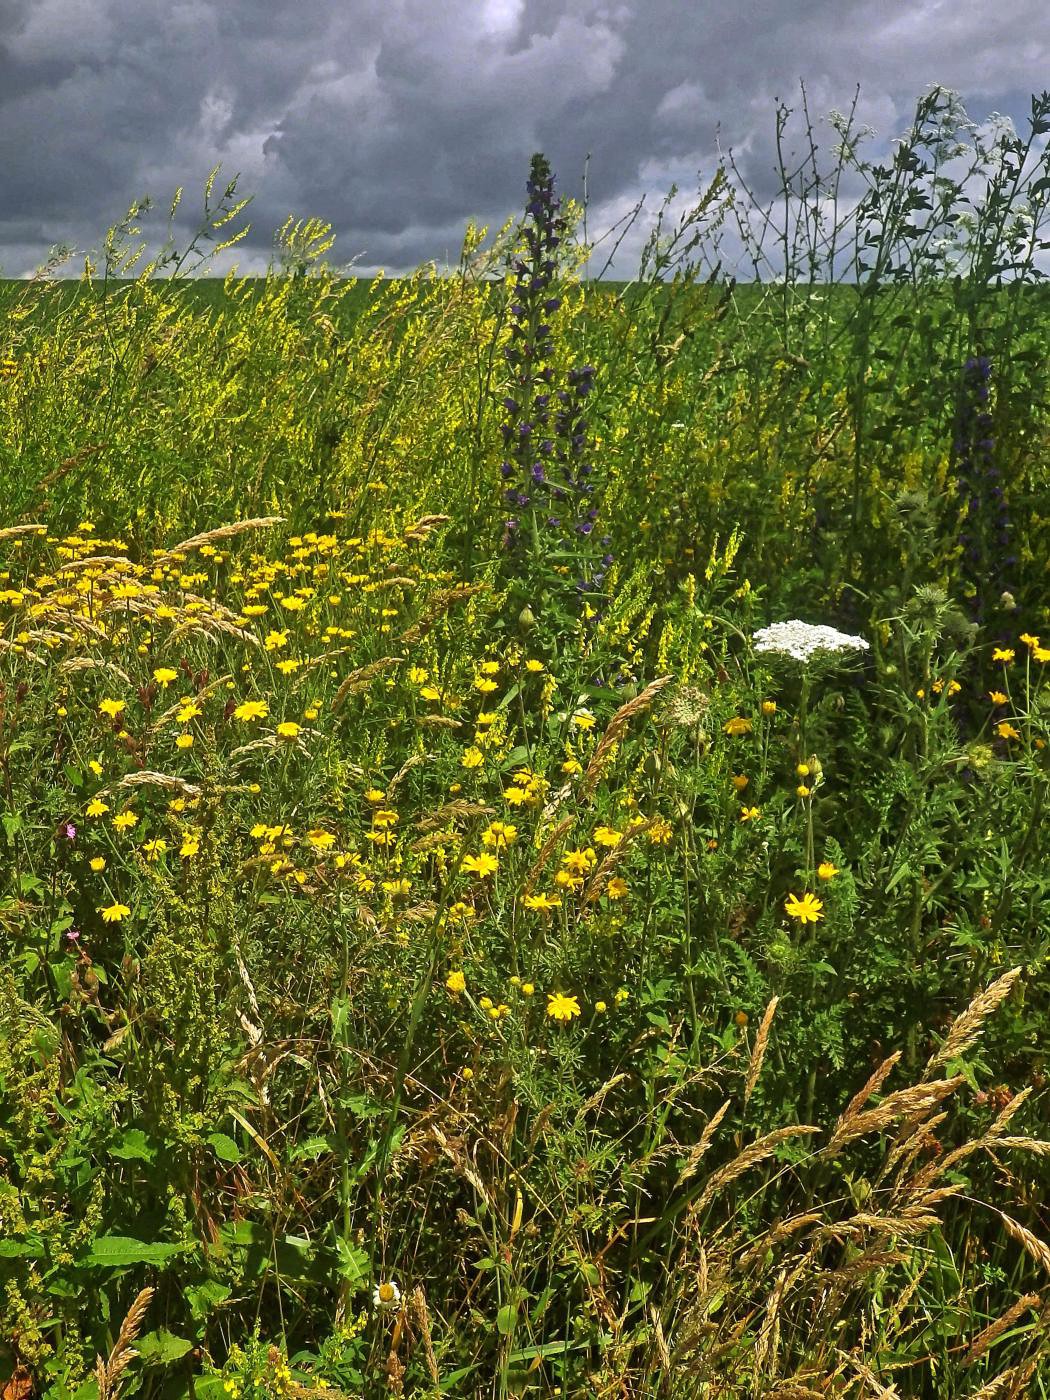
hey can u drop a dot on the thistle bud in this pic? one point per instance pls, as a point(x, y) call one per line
point(526, 619)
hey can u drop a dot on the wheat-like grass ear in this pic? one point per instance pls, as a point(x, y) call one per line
point(758, 1054)
point(224, 532)
point(966, 1028)
point(108, 1372)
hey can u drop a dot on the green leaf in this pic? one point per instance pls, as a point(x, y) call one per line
point(506, 1318)
point(545, 1349)
point(353, 1262)
point(210, 1388)
point(121, 1251)
point(134, 1146)
point(515, 758)
point(340, 1014)
point(224, 1147)
point(21, 1249)
point(160, 1347)
point(309, 1149)
point(205, 1297)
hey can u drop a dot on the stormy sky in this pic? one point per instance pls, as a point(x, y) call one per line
point(398, 121)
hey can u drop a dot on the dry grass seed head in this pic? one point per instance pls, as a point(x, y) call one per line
point(757, 1152)
point(966, 1028)
point(615, 729)
point(995, 1330)
point(108, 1372)
point(222, 532)
point(758, 1052)
point(1039, 1251)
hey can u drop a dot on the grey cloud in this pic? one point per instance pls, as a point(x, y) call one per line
point(396, 121)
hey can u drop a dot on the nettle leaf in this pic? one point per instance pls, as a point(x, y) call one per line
point(310, 1149)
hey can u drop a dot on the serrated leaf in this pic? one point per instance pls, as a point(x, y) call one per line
point(353, 1262)
point(309, 1149)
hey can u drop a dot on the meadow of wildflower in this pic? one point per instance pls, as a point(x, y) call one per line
point(523, 811)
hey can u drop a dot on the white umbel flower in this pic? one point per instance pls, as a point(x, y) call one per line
point(386, 1295)
point(804, 640)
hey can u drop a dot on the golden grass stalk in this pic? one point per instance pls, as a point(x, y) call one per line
point(437, 606)
point(92, 663)
point(611, 859)
point(867, 1263)
point(661, 1343)
point(995, 1330)
point(1031, 1245)
point(13, 531)
point(615, 729)
point(996, 1130)
point(868, 1375)
point(767, 1342)
point(358, 679)
point(222, 532)
point(966, 1028)
point(758, 1151)
point(758, 1053)
point(108, 1372)
point(545, 853)
point(450, 811)
point(776, 1235)
point(422, 1314)
point(77, 622)
point(997, 1385)
point(598, 1097)
point(872, 1085)
point(912, 1103)
point(163, 780)
point(424, 526)
point(89, 560)
point(1023, 1144)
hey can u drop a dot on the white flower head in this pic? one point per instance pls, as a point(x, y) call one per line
point(386, 1296)
point(803, 640)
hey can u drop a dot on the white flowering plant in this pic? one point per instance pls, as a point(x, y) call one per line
point(802, 641)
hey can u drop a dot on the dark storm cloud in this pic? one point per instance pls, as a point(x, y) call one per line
point(396, 121)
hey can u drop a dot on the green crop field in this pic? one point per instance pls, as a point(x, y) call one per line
point(524, 835)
